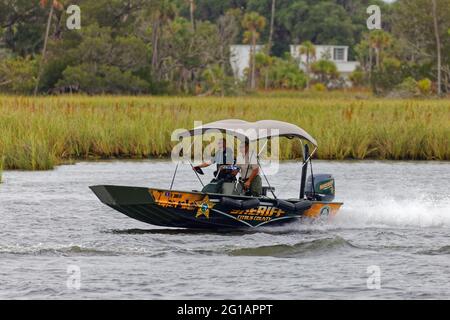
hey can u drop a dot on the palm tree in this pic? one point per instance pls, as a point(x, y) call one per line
point(161, 12)
point(308, 49)
point(54, 5)
point(264, 63)
point(272, 23)
point(192, 10)
point(438, 47)
point(379, 41)
point(253, 23)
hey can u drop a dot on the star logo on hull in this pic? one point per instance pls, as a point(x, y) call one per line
point(203, 207)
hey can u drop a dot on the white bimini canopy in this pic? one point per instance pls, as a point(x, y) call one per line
point(254, 130)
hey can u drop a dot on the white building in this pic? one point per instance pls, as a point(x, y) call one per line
point(337, 54)
point(240, 58)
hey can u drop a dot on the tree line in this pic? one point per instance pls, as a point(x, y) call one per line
point(183, 46)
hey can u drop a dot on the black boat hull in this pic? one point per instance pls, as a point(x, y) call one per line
point(196, 210)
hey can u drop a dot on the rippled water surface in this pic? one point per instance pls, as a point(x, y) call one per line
point(396, 219)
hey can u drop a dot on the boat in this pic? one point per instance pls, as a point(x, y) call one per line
point(230, 208)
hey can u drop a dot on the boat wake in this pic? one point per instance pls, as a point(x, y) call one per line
point(439, 251)
point(75, 250)
point(295, 250)
point(394, 213)
point(355, 214)
point(39, 250)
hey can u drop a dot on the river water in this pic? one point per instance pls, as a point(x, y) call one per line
point(390, 240)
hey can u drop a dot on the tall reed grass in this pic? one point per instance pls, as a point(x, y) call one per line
point(1, 169)
point(39, 133)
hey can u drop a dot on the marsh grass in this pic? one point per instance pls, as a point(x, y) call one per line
point(39, 133)
point(1, 169)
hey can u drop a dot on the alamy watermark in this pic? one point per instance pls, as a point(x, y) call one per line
point(73, 21)
point(374, 279)
point(374, 21)
point(73, 281)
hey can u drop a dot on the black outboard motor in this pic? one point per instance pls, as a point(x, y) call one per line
point(323, 188)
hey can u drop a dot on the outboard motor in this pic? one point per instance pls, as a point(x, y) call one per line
point(323, 188)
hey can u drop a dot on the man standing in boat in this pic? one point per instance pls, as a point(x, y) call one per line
point(223, 156)
point(249, 169)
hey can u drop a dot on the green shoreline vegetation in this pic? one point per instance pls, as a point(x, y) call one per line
point(39, 133)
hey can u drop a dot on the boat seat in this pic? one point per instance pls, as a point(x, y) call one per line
point(301, 205)
point(212, 187)
point(239, 204)
point(228, 188)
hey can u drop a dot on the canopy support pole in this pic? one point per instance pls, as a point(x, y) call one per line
point(192, 166)
point(304, 171)
point(306, 158)
point(312, 178)
point(259, 165)
point(265, 177)
point(198, 177)
point(174, 174)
